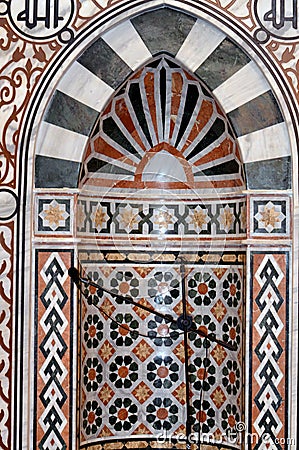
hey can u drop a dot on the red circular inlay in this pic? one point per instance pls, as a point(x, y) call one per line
point(162, 372)
point(201, 416)
point(162, 413)
point(122, 414)
point(123, 330)
point(124, 287)
point(201, 373)
point(92, 289)
point(123, 371)
point(202, 288)
point(203, 330)
point(92, 374)
point(163, 330)
point(232, 377)
point(92, 331)
point(232, 333)
point(91, 417)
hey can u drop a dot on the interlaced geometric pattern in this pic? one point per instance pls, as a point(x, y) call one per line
point(53, 343)
point(132, 367)
point(140, 218)
point(269, 360)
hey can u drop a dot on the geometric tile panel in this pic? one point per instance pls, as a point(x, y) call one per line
point(53, 344)
point(268, 396)
point(131, 360)
point(209, 218)
point(270, 217)
point(54, 215)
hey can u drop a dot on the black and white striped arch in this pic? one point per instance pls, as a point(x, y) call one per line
point(234, 79)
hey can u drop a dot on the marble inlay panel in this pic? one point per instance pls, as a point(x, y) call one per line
point(96, 217)
point(103, 62)
point(270, 216)
point(132, 366)
point(272, 174)
point(163, 110)
point(260, 113)
point(66, 112)
point(262, 145)
point(54, 215)
point(242, 87)
point(81, 84)
point(163, 29)
point(202, 40)
point(54, 367)
point(269, 341)
point(121, 39)
point(232, 60)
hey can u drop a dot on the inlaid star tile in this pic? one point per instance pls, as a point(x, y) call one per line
point(143, 350)
point(106, 351)
point(142, 313)
point(178, 309)
point(99, 217)
point(269, 216)
point(219, 354)
point(106, 394)
point(219, 310)
point(218, 397)
point(142, 392)
point(163, 220)
point(198, 219)
point(107, 308)
point(226, 218)
point(179, 351)
point(54, 215)
point(180, 393)
point(128, 218)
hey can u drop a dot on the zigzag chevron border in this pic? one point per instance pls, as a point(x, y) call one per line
point(269, 346)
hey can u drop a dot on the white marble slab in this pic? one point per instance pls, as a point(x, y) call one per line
point(245, 85)
point(199, 44)
point(57, 142)
point(81, 84)
point(127, 43)
point(269, 143)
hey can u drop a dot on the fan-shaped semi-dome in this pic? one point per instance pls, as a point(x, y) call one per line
point(163, 126)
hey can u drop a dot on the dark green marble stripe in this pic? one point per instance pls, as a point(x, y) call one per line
point(66, 112)
point(163, 30)
point(259, 113)
point(98, 165)
point(56, 173)
point(270, 174)
point(226, 60)
point(103, 62)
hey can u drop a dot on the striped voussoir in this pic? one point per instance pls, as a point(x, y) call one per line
point(234, 80)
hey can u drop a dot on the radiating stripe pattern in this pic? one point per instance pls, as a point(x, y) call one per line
point(220, 63)
point(163, 109)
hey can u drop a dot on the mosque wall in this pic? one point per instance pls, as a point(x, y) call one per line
point(60, 67)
